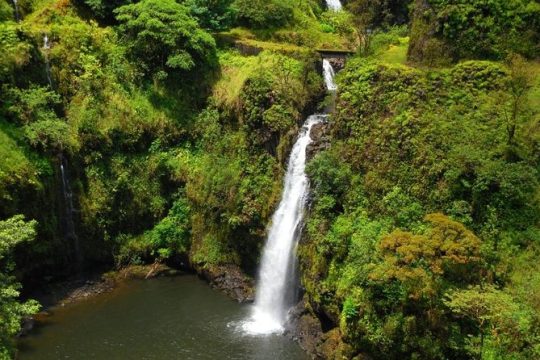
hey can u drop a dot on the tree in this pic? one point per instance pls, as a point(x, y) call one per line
point(263, 14)
point(163, 37)
point(52, 136)
point(12, 232)
point(171, 236)
point(496, 315)
point(447, 250)
point(369, 15)
point(215, 15)
point(103, 9)
point(398, 308)
point(520, 82)
point(33, 104)
point(15, 52)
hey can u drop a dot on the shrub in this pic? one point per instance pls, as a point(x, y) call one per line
point(263, 13)
point(162, 37)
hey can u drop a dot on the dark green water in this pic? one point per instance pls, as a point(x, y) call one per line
point(165, 318)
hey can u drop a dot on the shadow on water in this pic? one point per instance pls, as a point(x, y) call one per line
point(164, 318)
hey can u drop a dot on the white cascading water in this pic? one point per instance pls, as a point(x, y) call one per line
point(46, 45)
point(334, 5)
point(46, 48)
point(329, 75)
point(270, 311)
point(277, 270)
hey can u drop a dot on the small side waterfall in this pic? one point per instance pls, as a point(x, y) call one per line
point(69, 210)
point(276, 274)
point(16, 7)
point(46, 48)
point(334, 5)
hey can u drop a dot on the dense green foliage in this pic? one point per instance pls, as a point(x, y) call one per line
point(408, 143)
point(212, 14)
point(264, 14)
point(168, 124)
point(12, 232)
point(162, 36)
point(103, 9)
point(380, 13)
point(474, 29)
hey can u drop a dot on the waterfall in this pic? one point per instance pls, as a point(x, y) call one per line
point(334, 5)
point(46, 48)
point(16, 6)
point(270, 311)
point(276, 274)
point(69, 223)
point(329, 76)
point(46, 45)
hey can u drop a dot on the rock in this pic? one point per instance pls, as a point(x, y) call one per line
point(338, 63)
point(231, 280)
point(27, 325)
point(321, 141)
point(305, 329)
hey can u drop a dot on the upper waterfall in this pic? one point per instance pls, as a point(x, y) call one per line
point(16, 8)
point(329, 75)
point(334, 5)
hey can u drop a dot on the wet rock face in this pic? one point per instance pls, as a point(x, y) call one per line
point(338, 63)
point(321, 344)
point(306, 330)
point(232, 281)
point(321, 139)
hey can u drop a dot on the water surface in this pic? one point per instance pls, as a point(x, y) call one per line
point(164, 318)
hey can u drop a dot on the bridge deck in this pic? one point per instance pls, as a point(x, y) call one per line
point(335, 52)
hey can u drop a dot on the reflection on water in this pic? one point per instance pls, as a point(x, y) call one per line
point(165, 318)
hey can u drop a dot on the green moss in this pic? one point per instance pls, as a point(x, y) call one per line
point(16, 168)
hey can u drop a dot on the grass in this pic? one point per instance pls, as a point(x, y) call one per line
point(395, 54)
point(235, 70)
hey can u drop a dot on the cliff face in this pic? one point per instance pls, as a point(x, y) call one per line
point(320, 134)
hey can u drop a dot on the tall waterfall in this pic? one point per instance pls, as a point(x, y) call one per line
point(334, 5)
point(270, 310)
point(276, 273)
